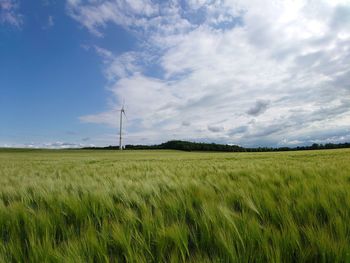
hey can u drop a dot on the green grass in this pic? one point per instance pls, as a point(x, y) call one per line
point(169, 206)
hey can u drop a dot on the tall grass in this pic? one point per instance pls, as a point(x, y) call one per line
point(167, 206)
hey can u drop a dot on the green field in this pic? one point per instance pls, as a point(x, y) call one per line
point(169, 206)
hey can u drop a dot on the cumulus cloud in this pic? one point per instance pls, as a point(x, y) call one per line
point(186, 123)
point(50, 22)
point(234, 73)
point(59, 145)
point(9, 13)
point(48, 145)
point(259, 107)
point(213, 128)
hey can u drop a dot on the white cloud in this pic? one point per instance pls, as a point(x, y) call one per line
point(245, 72)
point(9, 13)
point(258, 108)
point(50, 22)
point(49, 145)
point(122, 66)
point(97, 14)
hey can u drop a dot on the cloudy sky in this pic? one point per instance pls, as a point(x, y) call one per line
point(246, 72)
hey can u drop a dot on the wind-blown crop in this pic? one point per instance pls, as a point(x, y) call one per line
point(168, 206)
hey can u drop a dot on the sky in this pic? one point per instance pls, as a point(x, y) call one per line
point(246, 72)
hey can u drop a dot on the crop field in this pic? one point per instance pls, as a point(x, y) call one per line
point(171, 206)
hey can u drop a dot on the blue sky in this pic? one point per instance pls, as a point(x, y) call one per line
point(252, 73)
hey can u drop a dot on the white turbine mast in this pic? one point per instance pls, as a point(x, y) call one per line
point(122, 111)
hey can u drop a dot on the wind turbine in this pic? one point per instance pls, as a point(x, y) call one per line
point(122, 111)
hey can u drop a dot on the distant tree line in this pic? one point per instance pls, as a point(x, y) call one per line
point(195, 146)
point(314, 146)
point(190, 146)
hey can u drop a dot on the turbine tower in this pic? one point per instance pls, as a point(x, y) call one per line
point(122, 111)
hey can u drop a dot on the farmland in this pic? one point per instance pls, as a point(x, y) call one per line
point(172, 206)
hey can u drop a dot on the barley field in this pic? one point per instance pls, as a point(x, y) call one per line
point(171, 206)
